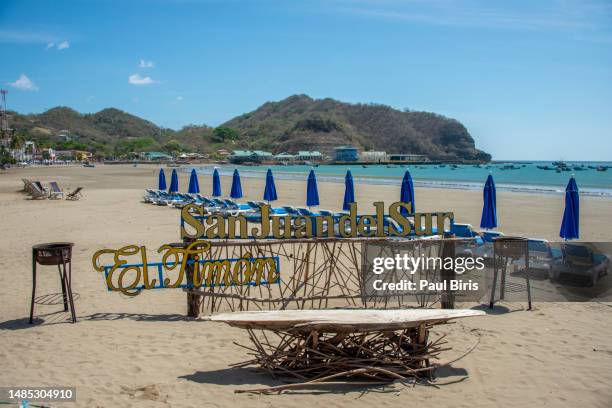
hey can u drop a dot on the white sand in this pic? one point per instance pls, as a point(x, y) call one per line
point(141, 352)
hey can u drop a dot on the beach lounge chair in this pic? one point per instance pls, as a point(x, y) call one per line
point(40, 186)
point(75, 195)
point(26, 185)
point(38, 193)
point(33, 187)
point(580, 260)
point(55, 193)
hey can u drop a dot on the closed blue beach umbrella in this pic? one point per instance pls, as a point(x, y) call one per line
point(312, 192)
point(236, 185)
point(216, 184)
point(349, 191)
point(489, 207)
point(570, 226)
point(194, 186)
point(270, 190)
point(173, 182)
point(161, 185)
point(407, 193)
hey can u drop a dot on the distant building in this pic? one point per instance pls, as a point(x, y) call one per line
point(373, 157)
point(346, 154)
point(44, 155)
point(65, 135)
point(242, 156)
point(284, 157)
point(306, 155)
point(256, 156)
point(79, 155)
point(263, 156)
point(193, 156)
point(407, 158)
point(154, 156)
point(25, 153)
point(223, 152)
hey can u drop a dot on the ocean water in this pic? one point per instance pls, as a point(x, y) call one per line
point(527, 178)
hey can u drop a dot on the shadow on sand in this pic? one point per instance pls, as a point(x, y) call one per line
point(139, 317)
point(250, 378)
point(42, 319)
point(497, 309)
point(64, 317)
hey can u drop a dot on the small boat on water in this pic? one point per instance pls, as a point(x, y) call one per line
point(509, 167)
point(602, 168)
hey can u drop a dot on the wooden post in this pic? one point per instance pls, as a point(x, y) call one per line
point(194, 300)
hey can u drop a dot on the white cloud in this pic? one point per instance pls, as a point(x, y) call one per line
point(146, 64)
point(24, 83)
point(58, 46)
point(63, 45)
point(176, 100)
point(136, 79)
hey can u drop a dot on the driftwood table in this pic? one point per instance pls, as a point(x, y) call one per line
point(342, 346)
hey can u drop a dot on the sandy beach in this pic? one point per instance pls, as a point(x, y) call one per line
point(142, 352)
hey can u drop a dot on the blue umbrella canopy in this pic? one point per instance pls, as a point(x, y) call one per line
point(489, 207)
point(312, 192)
point(407, 193)
point(270, 190)
point(570, 226)
point(236, 185)
point(173, 182)
point(162, 180)
point(216, 184)
point(349, 191)
point(194, 186)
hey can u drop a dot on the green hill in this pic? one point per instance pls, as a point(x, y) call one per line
point(302, 123)
point(295, 123)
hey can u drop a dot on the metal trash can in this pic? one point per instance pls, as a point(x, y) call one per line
point(50, 254)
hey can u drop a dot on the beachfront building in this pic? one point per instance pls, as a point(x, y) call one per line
point(346, 154)
point(193, 156)
point(407, 158)
point(373, 157)
point(223, 152)
point(310, 156)
point(241, 156)
point(248, 156)
point(78, 155)
point(156, 156)
point(263, 156)
point(284, 157)
point(24, 153)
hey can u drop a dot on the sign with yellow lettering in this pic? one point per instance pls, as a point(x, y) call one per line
point(181, 267)
point(198, 223)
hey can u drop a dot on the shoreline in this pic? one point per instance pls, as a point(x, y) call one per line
point(519, 213)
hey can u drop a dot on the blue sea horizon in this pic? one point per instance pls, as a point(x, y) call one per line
point(527, 178)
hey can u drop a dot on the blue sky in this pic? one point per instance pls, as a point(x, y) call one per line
point(529, 79)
